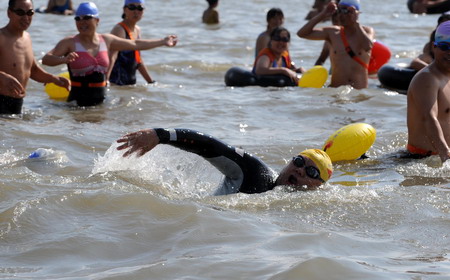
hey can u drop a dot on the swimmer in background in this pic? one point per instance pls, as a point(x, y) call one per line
point(17, 61)
point(275, 59)
point(123, 64)
point(427, 55)
point(62, 7)
point(350, 44)
point(274, 18)
point(211, 15)
point(243, 172)
point(428, 6)
point(86, 55)
point(428, 102)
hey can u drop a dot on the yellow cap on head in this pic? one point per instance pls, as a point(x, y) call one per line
point(322, 161)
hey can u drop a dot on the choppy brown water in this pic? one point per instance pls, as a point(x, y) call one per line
point(86, 213)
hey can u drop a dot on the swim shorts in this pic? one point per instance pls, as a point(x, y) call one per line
point(10, 105)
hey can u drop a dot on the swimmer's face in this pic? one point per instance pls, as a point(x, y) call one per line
point(347, 13)
point(299, 177)
point(442, 53)
point(280, 42)
point(86, 23)
point(134, 11)
point(21, 14)
point(275, 21)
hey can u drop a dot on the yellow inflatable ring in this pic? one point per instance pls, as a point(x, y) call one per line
point(350, 142)
point(57, 92)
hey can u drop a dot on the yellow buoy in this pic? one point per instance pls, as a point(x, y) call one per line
point(315, 77)
point(350, 142)
point(57, 92)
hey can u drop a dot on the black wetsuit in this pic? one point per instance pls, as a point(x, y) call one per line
point(243, 172)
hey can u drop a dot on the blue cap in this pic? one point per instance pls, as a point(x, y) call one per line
point(87, 9)
point(350, 3)
point(443, 32)
point(134, 1)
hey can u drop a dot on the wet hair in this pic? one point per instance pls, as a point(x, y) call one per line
point(212, 2)
point(12, 3)
point(273, 13)
point(277, 31)
point(444, 17)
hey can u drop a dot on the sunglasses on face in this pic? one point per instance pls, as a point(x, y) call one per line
point(78, 18)
point(281, 39)
point(311, 171)
point(133, 7)
point(344, 11)
point(22, 13)
point(443, 46)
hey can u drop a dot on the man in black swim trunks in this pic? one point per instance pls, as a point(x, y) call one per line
point(17, 62)
point(243, 172)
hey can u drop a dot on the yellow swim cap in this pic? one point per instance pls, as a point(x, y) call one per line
point(322, 160)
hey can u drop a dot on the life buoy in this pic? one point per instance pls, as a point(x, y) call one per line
point(239, 77)
point(396, 78)
point(350, 142)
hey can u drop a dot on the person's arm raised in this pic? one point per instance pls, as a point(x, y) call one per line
point(309, 32)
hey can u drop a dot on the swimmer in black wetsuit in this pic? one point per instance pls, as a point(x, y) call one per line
point(243, 172)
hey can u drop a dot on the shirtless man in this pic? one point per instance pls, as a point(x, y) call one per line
point(428, 109)
point(17, 62)
point(350, 44)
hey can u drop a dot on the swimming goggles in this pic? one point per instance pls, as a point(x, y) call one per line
point(344, 11)
point(443, 46)
point(311, 171)
point(281, 39)
point(78, 18)
point(21, 12)
point(133, 7)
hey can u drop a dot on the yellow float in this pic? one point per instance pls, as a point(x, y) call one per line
point(350, 142)
point(315, 77)
point(57, 92)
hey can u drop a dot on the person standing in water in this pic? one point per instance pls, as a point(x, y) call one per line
point(428, 102)
point(274, 18)
point(86, 55)
point(17, 61)
point(211, 15)
point(350, 43)
point(124, 64)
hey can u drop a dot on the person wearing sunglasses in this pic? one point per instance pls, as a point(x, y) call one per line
point(427, 55)
point(60, 7)
point(350, 43)
point(211, 15)
point(275, 59)
point(17, 61)
point(124, 64)
point(428, 102)
point(86, 55)
point(243, 172)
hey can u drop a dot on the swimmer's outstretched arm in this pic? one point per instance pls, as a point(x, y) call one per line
point(143, 141)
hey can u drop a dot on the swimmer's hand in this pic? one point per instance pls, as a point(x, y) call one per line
point(62, 82)
point(139, 142)
point(10, 86)
point(329, 10)
point(70, 57)
point(171, 41)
